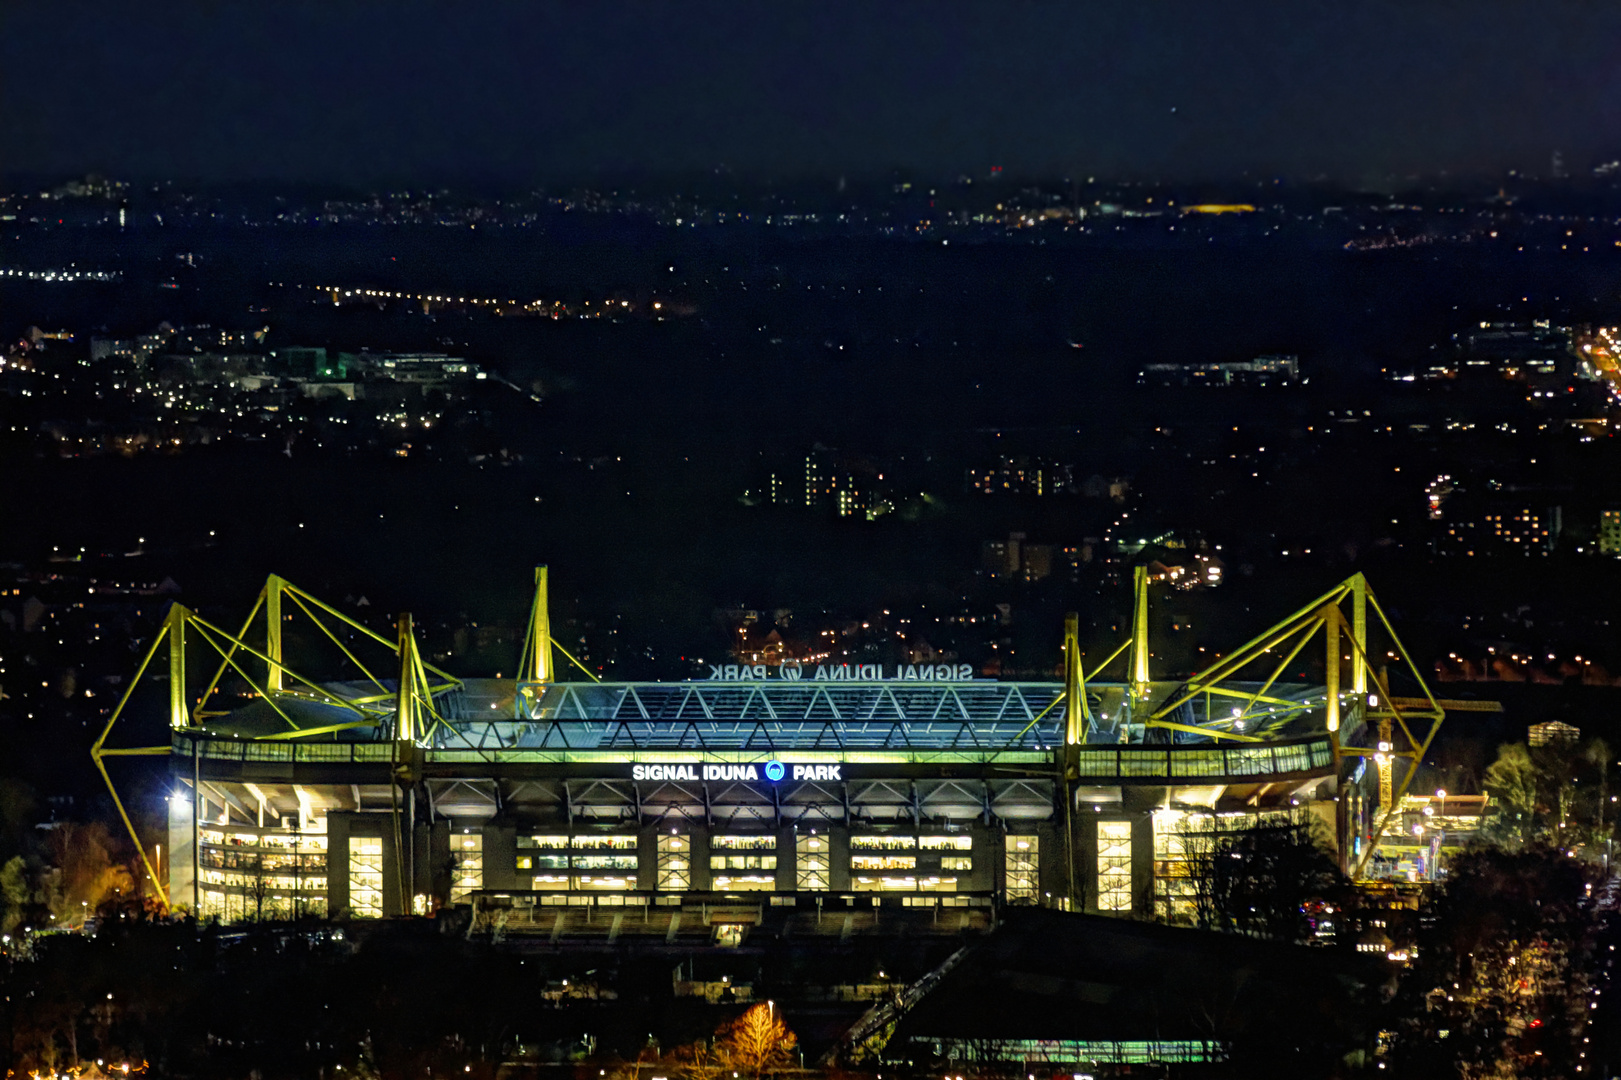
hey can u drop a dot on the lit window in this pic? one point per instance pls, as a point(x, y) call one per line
point(366, 877)
point(1022, 860)
point(674, 863)
point(1114, 866)
point(945, 843)
point(468, 877)
point(811, 870)
point(883, 842)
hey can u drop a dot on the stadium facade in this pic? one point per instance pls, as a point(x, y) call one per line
point(409, 790)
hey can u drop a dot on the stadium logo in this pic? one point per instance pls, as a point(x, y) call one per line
point(792, 671)
point(772, 771)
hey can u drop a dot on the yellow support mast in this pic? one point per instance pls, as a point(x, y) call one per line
point(1331, 677)
point(273, 586)
point(408, 705)
point(1077, 721)
point(1077, 714)
point(1139, 644)
point(413, 704)
point(536, 663)
point(175, 626)
point(1359, 633)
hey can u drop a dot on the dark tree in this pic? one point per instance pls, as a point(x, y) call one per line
point(1497, 988)
point(1262, 881)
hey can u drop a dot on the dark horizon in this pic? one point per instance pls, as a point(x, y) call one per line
point(362, 95)
point(856, 185)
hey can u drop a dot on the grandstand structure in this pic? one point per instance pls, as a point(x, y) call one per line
point(405, 789)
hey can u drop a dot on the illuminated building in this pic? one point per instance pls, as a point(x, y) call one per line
point(1507, 528)
point(1424, 833)
point(1022, 476)
point(406, 789)
point(1553, 733)
point(1609, 532)
point(1262, 371)
point(850, 488)
point(1016, 559)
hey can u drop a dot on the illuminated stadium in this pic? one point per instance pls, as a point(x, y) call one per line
point(409, 790)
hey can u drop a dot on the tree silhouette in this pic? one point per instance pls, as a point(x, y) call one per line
point(89, 872)
point(1498, 988)
point(701, 1061)
point(1260, 880)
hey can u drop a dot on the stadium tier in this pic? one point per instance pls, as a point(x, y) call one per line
point(410, 790)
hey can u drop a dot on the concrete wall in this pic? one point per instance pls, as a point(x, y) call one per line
point(701, 877)
point(787, 859)
point(647, 857)
point(987, 855)
point(838, 847)
point(501, 857)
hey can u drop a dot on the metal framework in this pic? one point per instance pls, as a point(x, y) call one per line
point(1236, 719)
point(408, 706)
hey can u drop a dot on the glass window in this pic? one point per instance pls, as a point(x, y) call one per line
point(554, 842)
point(1142, 763)
point(864, 883)
point(883, 862)
point(956, 862)
point(744, 883)
point(1022, 859)
point(526, 862)
point(752, 842)
point(601, 841)
point(1097, 762)
point(601, 882)
point(468, 877)
point(883, 842)
point(1249, 760)
point(1114, 866)
point(1292, 758)
point(1197, 763)
point(604, 862)
point(811, 871)
point(366, 877)
point(742, 862)
point(674, 862)
point(945, 843)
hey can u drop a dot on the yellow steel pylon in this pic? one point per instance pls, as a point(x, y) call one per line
point(1077, 713)
point(1139, 641)
point(536, 662)
point(267, 678)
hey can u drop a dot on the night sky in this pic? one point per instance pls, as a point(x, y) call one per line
point(520, 92)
